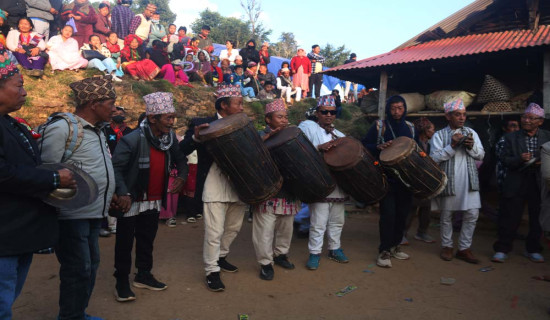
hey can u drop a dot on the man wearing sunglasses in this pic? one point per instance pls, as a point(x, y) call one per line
point(521, 158)
point(327, 215)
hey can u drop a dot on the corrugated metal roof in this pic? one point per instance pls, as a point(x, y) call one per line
point(455, 47)
point(451, 22)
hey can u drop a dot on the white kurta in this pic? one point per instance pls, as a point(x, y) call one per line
point(463, 199)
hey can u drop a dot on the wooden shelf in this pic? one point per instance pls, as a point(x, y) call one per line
point(441, 114)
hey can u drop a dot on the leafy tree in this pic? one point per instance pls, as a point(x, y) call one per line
point(334, 56)
point(228, 28)
point(163, 8)
point(286, 47)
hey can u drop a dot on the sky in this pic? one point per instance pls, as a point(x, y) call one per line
point(366, 27)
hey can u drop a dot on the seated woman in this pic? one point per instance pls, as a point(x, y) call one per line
point(229, 53)
point(28, 47)
point(105, 63)
point(217, 74)
point(226, 67)
point(115, 46)
point(134, 62)
point(64, 53)
point(193, 47)
point(159, 55)
point(202, 70)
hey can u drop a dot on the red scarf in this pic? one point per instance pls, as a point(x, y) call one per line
point(118, 129)
point(113, 48)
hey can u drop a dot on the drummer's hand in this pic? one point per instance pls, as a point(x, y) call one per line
point(455, 139)
point(271, 133)
point(66, 179)
point(177, 185)
point(198, 129)
point(384, 145)
point(469, 143)
point(124, 203)
point(526, 156)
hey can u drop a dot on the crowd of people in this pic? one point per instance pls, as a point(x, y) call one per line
point(144, 174)
point(75, 36)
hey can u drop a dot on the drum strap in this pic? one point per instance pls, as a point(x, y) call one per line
point(381, 128)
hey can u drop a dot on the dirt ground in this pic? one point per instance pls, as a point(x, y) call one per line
point(409, 290)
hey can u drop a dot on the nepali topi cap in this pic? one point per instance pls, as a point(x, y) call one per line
point(455, 105)
point(274, 106)
point(535, 110)
point(7, 68)
point(159, 103)
point(93, 89)
point(229, 91)
point(326, 101)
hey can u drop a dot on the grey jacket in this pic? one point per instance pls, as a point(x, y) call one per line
point(126, 164)
point(39, 9)
point(92, 156)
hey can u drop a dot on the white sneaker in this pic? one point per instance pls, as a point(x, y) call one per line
point(398, 254)
point(172, 223)
point(247, 99)
point(117, 79)
point(384, 259)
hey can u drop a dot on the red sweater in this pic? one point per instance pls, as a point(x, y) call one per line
point(298, 61)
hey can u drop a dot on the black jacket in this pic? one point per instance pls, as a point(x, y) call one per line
point(514, 146)
point(26, 223)
point(126, 164)
point(188, 145)
point(250, 54)
point(110, 135)
point(16, 9)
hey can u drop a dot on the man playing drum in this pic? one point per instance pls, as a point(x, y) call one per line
point(327, 215)
point(396, 205)
point(273, 219)
point(223, 211)
point(456, 148)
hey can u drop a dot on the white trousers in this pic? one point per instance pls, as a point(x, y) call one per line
point(222, 223)
point(329, 217)
point(469, 220)
point(267, 227)
point(348, 87)
point(288, 92)
point(42, 27)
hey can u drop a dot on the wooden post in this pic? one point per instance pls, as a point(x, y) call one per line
point(382, 95)
point(546, 84)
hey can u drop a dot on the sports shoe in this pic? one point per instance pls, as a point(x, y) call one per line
point(467, 256)
point(535, 257)
point(104, 233)
point(267, 272)
point(112, 230)
point(191, 220)
point(424, 237)
point(499, 257)
point(338, 256)
point(145, 280)
point(313, 261)
point(172, 223)
point(398, 254)
point(116, 79)
point(198, 216)
point(282, 260)
point(247, 99)
point(214, 283)
point(446, 253)
point(404, 241)
point(123, 293)
point(226, 266)
point(384, 259)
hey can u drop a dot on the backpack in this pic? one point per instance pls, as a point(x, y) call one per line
point(381, 129)
point(76, 132)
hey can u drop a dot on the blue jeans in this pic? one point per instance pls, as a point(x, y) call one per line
point(78, 254)
point(248, 91)
point(13, 272)
point(302, 218)
point(108, 65)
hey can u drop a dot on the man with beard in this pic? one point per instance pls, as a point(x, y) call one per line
point(327, 216)
point(142, 163)
point(456, 148)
